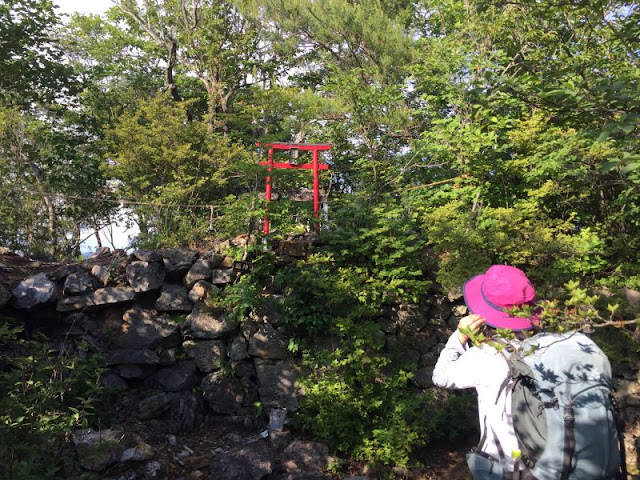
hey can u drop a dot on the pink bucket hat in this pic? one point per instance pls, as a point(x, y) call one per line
point(500, 287)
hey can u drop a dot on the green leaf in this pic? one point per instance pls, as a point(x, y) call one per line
point(608, 166)
point(630, 168)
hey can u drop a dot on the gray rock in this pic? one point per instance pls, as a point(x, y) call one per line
point(201, 291)
point(65, 270)
point(251, 462)
point(79, 283)
point(222, 277)
point(178, 261)
point(111, 381)
point(147, 255)
point(452, 322)
point(309, 458)
point(460, 310)
point(186, 413)
point(279, 440)
point(101, 273)
point(207, 354)
point(441, 307)
point(135, 371)
point(167, 357)
point(238, 348)
point(174, 298)
point(270, 310)
point(153, 469)
point(101, 252)
point(175, 378)
point(425, 342)
point(200, 270)
point(243, 369)
point(201, 324)
point(99, 450)
point(423, 377)
point(215, 259)
point(224, 394)
point(139, 357)
point(388, 325)
point(268, 343)
point(632, 296)
point(153, 407)
point(34, 291)
point(227, 262)
point(429, 359)
point(277, 384)
point(141, 452)
point(410, 318)
point(102, 296)
point(145, 329)
point(145, 276)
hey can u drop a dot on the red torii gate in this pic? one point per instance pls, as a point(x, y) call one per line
point(294, 149)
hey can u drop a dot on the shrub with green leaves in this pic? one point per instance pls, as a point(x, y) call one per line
point(46, 395)
point(358, 403)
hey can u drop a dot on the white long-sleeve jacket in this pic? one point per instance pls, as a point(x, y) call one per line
point(482, 368)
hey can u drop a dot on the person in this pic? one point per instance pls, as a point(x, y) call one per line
point(462, 365)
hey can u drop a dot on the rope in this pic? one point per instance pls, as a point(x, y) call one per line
point(122, 201)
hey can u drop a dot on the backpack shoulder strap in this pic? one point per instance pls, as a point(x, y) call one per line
point(511, 355)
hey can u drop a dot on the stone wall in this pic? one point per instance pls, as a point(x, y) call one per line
point(177, 360)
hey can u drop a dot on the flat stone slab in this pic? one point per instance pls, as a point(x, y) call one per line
point(102, 296)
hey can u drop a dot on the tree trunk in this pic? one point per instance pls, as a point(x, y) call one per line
point(96, 231)
point(75, 241)
point(48, 201)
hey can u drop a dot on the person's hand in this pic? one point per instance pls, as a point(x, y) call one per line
point(470, 323)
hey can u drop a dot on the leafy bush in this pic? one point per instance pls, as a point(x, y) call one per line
point(317, 291)
point(387, 245)
point(357, 403)
point(46, 395)
point(551, 251)
point(354, 273)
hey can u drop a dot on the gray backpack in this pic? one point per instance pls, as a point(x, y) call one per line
point(563, 409)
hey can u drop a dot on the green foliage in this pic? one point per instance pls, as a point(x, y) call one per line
point(50, 178)
point(240, 297)
point(31, 59)
point(239, 215)
point(551, 251)
point(358, 404)
point(315, 292)
point(46, 395)
point(175, 170)
point(619, 345)
point(454, 417)
point(354, 273)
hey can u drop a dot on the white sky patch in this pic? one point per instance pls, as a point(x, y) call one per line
point(119, 234)
point(84, 7)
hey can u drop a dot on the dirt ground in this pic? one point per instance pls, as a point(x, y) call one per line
point(186, 456)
